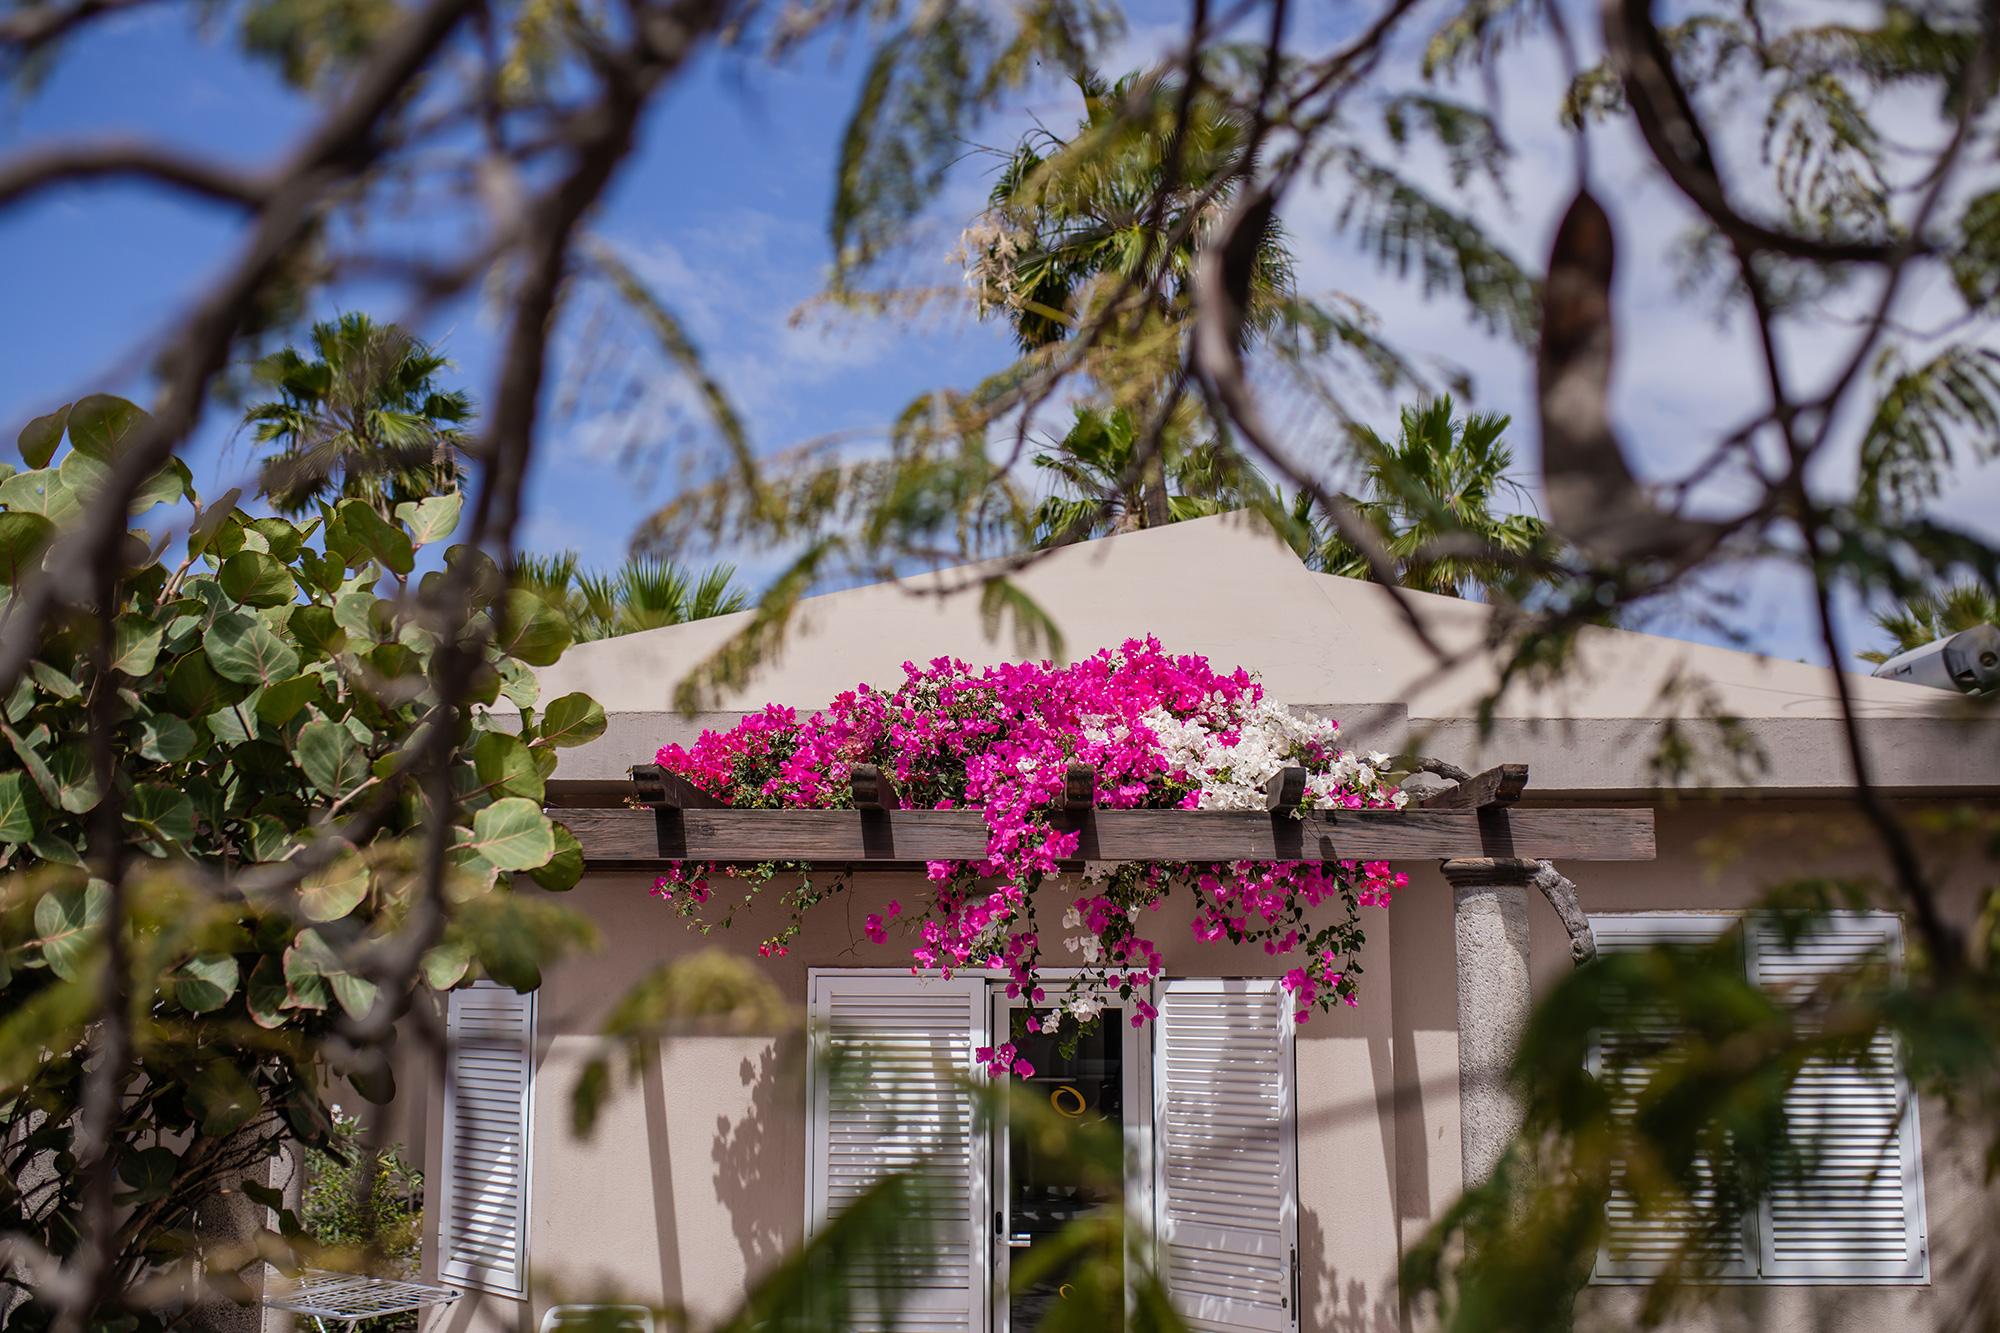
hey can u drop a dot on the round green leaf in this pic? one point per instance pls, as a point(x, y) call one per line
point(17, 821)
point(281, 702)
point(331, 760)
point(242, 648)
point(195, 690)
point(100, 423)
point(573, 720)
point(23, 537)
point(432, 518)
point(381, 539)
point(512, 834)
point(224, 1097)
point(445, 965)
point(42, 491)
point(530, 630)
point(165, 738)
point(318, 633)
point(39, 438)
point(75, 778)
point(135, 644)
point(163, 811)
point(265, 994)
point(256, 579)
point(335, 889)
point(205, 982)
point(150, 1172)
point(565, 868)
point(164, 487)
point(65, 916)
point(505, 766)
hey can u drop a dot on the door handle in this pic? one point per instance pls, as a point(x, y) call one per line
point(1018, 1241)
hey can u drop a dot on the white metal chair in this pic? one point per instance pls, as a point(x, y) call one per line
point(597, 1319)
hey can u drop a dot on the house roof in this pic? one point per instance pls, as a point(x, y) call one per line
point(1227, 588)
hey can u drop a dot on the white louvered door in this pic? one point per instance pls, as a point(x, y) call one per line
point(891, 1058)
point(1636, 1246)
point(1857, 1209)
point(488, 1109)
point(1225, 1189)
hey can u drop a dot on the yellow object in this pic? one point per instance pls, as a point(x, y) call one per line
point(1056, 1100)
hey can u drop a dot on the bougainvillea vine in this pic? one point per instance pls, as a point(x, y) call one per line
point(1162, 731)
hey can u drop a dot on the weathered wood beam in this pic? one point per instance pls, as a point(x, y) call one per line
point(654, 786)
point(873, 789)
point(1495, 787)
point(1080, 787)
point(612, 837)
point(1286, 789)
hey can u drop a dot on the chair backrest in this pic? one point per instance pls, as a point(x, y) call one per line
point(597, 1319)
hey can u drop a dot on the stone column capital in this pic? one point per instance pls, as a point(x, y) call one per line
point(1490, 872)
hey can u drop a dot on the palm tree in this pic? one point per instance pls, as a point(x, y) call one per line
point(360, 417)
point(1930, 616)
point(1430, 497)
point(643, 593)
point(1076, 222)
point(1099, 491)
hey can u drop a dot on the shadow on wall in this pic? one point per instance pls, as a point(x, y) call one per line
point(759, 1158)
point(1333, 1304)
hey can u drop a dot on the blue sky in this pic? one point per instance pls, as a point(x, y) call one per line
point(723, 211)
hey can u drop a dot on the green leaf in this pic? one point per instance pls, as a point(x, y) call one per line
point(28, 750)
point(39, 438)
point(533, 631)
point(431, 519)
point(166, 486)
point(505, 766)
point(65, 917)
point(335, 889)
point(205, 982)
point(164, 738)
point(281, 535)
point(265, 994)
point(331, 760)
point(518, 683)
point(150, 1172)
point(317, 631)
point(135, 644)
point(23, 537)
point(256, 579)
point(99, 424)
point(445, 964)
point(224, 1097)
point(354, 612)
point(565, 868)
point(382, 539)
point(54, 681)
point(236, 724)
point(39, 492)
point(281, 703)
point(573, 720)
point(195, 690)
point(513, 834)
point(77, 789)
point(17, 820)
point(82, 474)
point(243, 649)
point(306, 964)
point(165, 812)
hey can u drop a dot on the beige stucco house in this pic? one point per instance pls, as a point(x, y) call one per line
point(1348, 1130)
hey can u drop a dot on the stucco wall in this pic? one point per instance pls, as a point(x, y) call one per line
point(694, 1178)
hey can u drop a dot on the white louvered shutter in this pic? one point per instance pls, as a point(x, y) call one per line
point(892, 1056)
point(489, 1091)
point(1857, 1210)
point(1636, 1246)
point(1226, 1188)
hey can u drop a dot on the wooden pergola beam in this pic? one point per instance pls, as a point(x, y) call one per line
point(637, 837)
point(1495, 787)
point(873, 789)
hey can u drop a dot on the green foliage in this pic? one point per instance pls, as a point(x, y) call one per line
point(1924, 417)
point(1430, 497)
point(362, 417)
point(1929, 616)
point(643, 593)
point(272, 716)
point(366, 1209)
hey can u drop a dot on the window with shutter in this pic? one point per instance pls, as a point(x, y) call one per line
point(1855, 1214)
point(1856, 1210)
point(1636, 1244)
point(891, 1059)
point(1225, 1190)
point(488, 1102)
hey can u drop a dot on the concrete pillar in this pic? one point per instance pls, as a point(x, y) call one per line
point(1490, 919)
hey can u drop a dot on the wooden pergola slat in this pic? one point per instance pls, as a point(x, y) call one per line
point(637, 837)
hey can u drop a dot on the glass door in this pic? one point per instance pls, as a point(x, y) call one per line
point(1039, 1190)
